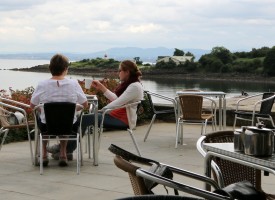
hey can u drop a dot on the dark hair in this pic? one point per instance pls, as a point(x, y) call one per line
point(58, 64)
point(134, 76)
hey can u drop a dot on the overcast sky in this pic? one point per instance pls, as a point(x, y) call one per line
point(87, 26)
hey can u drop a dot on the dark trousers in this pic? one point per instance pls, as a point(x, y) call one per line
point(71, 145)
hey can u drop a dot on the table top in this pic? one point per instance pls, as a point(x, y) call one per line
point(227, 149)
point(202, 92)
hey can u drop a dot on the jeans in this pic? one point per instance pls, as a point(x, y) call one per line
point(89, 120)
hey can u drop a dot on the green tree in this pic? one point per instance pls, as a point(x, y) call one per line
point(215, 66)
point(223, 54)
point(190, 54)
point(138, 61)
point(269, 62)
point(178, 52)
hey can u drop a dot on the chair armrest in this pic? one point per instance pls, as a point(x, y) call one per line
point(213, 104)
point(15, 108)
point(172, 100)
point(179, 186)
point(14, 102)
point(246, 98)
point(263, 100)
point(193, 175)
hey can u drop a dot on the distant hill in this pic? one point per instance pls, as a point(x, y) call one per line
point(145, 54)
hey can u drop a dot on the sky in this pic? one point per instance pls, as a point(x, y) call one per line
point(86, 26)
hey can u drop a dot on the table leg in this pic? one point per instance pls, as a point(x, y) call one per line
point(95, 138)
point(224, 113)
point(220, 113)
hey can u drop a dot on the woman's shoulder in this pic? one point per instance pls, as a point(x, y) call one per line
point(71, 81)
point(136, 84)
point(44, 82)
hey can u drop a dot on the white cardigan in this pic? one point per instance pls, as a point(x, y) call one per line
point(133, 93)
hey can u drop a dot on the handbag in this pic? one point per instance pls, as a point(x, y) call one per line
point(15, 118)
point(12, 119)
point(243, 190)
point(156, 167)
point(160, 170)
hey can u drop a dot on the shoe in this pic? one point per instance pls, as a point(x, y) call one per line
point(63, 162)
point(69, 156)
point(53, 149)
point(45, 161)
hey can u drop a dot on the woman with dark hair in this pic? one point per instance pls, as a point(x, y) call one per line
point(58, 89)
point(128, 91)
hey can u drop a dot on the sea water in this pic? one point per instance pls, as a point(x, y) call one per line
point(165, 86)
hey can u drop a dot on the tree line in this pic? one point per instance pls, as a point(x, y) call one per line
point(221, 60)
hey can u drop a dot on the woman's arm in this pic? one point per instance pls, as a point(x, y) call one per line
point(128, 96)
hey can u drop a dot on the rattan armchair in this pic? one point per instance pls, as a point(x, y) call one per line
point(191, 111)
point(226, 172)
point(8, 106)
point(137, 169)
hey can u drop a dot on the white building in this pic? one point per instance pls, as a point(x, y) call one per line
point(177, 59)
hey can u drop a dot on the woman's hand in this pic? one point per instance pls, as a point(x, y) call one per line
point(99, 86)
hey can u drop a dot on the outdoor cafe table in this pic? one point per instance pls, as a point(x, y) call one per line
point(222, 103)
point(226, 151)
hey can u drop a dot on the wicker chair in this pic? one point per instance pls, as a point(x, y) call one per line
point(191, 111)
point(8, 106)
point(222, 169)
point(127, 162)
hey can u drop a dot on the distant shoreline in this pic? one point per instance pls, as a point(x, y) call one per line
point(172, 74)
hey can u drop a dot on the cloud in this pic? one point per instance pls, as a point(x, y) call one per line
point(86, 26)
point(146, 28)
point(8, 5)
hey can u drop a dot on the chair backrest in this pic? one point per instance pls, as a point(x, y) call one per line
point(232, 172)
point(266, 106)
point(150, 101)
point(3, 117)
point(191, 106)
point(137, 183)
point(59, 117)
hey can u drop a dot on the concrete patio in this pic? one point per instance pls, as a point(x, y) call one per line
point(21, 180)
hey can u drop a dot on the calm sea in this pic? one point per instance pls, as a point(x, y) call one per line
point(165, 86)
